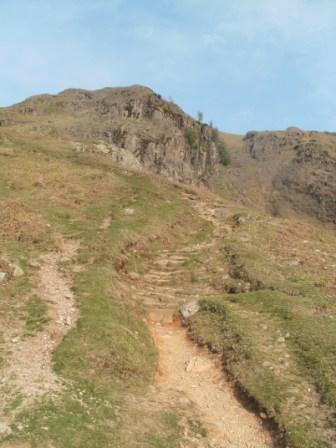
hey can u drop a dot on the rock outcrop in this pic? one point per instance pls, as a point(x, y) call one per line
point(133, 125)
point(282, 172)
point(285, 172)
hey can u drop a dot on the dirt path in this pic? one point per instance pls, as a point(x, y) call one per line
point(174, 279)
point(28, 372)
point(187, 368)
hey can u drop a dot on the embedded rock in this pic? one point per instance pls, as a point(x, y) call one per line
point(189, 309)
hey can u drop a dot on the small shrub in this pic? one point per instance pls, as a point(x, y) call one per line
point(224, 155)
point(215, 135)
point(200, 116)
point(198, 140)
point(192, 136)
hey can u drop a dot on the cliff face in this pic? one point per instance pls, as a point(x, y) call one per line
point(133, 125)
point(308, 183)
point(285, 172)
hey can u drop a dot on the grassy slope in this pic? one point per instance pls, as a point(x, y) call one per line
point(279, 338)
point(46, 190)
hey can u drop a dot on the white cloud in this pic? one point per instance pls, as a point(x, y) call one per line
point(292, 21)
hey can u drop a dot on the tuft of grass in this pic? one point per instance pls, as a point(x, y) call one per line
point(14, 403)
point(223, 154)
point(193, 137)
point(169, 434)
point(197, 429)
point(37, 315)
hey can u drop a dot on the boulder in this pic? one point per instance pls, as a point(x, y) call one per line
point(129, 211)
point(189, 309)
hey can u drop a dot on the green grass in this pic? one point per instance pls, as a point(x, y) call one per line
point(256, 359)
point(79, 418)
point(37, 315)
point(110, 353)
point(168, 436)
point(313, 337)
point(14, 403)
point(109, 356)
point(110, 347)
point(279, 338)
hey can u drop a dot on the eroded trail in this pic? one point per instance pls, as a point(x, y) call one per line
point(28, 372)
point(174, 279)
point(199, 376)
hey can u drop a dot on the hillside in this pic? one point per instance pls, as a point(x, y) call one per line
point(140, 308)
point(281, 172)
point(133, 125)
point(284, 172)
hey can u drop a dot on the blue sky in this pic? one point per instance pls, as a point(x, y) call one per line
point(246, 64)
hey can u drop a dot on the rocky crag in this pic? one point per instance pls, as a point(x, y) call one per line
point(282, 172)
point(133, 125)
point(285, 172)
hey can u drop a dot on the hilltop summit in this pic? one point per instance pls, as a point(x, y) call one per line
point(133, 125)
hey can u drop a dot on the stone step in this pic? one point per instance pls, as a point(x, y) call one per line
point(159, 297)
point(155, 273)
point(189, 279)
point(166, 263)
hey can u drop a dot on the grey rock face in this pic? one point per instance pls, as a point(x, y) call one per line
point(298, 169)
point(134, 126)
point(189, 309)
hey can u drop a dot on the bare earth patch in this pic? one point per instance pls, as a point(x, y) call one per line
point(199, 375)
point(28, 371)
